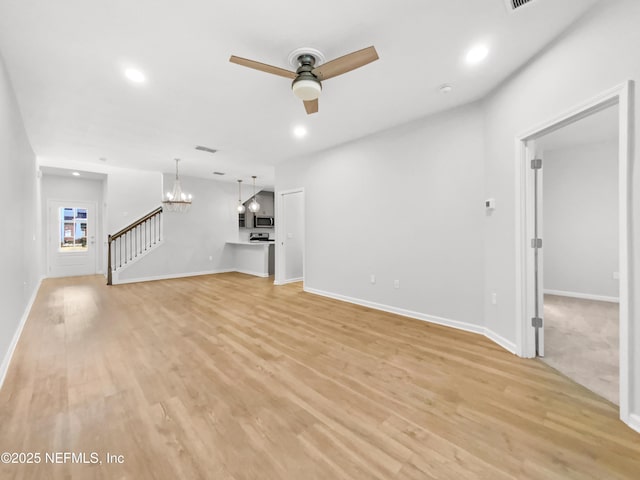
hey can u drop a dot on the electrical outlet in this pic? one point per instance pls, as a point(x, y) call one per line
point(372, 279)
point(211, 258)
point(396, 284)
point(494, 298)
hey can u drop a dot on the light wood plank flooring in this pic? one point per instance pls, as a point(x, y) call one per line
point(228, 377)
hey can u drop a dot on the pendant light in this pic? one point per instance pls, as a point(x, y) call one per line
point(254, 206)
point(241, 207)
point(176, 200)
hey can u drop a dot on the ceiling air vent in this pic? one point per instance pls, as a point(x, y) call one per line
point(513, 5)
point(205, 149)
point(218, 173)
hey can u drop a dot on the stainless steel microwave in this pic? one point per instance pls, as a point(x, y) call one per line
point(263, 222)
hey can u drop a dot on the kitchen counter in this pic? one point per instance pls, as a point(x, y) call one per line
point(254, 258)
point(238, 242)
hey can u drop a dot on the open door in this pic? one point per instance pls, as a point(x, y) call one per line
point(537, 318)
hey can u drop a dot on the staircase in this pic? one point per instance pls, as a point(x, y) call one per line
point(133, 242)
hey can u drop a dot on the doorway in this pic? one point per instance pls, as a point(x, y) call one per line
point(530, 234)
point(578, 219)
point(290, 237)
point(71, 249)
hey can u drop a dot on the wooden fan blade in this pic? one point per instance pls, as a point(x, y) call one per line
point(346, 63)
point(311, 106)
point(263, 67)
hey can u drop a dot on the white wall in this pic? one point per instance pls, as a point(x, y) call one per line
point(580, 216)
point(131, 194)
point(127, 194)
point(592, 57)
point(192, 238)
point(20, 240)
point(56, 187)
point(405, 204)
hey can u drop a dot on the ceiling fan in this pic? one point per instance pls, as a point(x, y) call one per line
point(307, 78)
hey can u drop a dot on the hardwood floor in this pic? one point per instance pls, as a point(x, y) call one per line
point(228, 377)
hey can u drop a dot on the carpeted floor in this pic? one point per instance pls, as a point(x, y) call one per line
point(581, 341)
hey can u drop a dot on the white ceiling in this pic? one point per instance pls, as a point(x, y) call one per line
point(599, 127)
point(66, 61)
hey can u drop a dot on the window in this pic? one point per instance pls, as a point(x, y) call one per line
point(73, 229)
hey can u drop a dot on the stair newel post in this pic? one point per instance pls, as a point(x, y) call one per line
point(109, 269)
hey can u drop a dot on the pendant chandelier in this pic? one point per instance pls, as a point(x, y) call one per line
point(176, 200)
point(241, 207)
point(254, 206)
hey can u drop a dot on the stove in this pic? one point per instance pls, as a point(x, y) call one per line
point(259, 237)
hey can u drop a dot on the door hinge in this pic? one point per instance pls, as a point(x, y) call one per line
point(536, 243)
point(536, 163)
point(536, 322)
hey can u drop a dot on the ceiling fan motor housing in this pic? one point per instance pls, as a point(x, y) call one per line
point(306, 85)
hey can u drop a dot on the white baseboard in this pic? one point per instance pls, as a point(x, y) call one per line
point(169, 276)
point(285, 282)
point(4, 368)
point(584, 296)
point(467, 327)
point(634, 422)
point(500, 340)
point(249, 272)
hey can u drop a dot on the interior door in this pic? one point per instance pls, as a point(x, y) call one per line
point(536, 164)
point(71, 238)
point(293, 241)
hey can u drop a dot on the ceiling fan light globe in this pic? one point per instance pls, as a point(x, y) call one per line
point(306, 89)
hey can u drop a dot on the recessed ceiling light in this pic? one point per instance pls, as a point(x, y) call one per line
point(299, 131)
point(446, 88)
point(136, 76)
point(477, 54)
point(76, 174)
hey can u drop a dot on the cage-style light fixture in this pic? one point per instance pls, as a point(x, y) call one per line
point(176, 200)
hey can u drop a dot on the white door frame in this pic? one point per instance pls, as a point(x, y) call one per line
point(620, 95)
point(280, 237)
